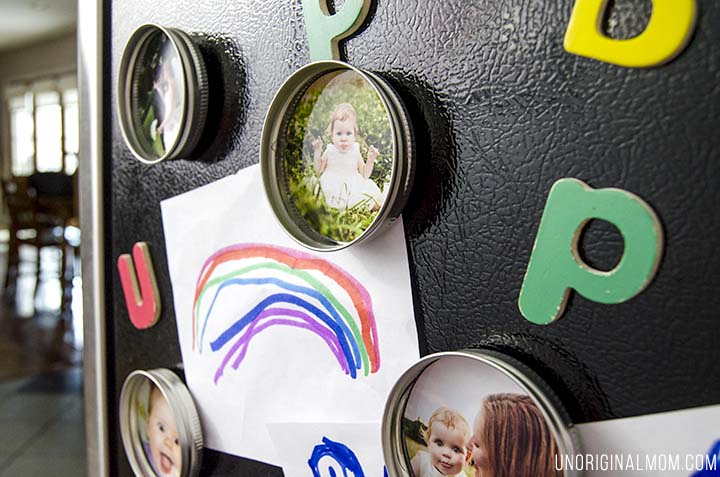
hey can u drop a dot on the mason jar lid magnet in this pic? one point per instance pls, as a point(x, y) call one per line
point(159, 425)
point(336, 155)
point(162, 94)
point(477, 412)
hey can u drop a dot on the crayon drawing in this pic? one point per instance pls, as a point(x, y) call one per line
point(329, 449)
point(271, 332)
point(341, 455)
point(299, 295)
point(338, 455)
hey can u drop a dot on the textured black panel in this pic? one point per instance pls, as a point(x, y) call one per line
point(501, 112)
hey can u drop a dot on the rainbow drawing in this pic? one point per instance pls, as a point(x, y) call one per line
point(300, 294)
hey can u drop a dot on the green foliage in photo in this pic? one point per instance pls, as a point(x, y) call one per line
point(339, 225)
point(145, 90)
point(156, 143)
point(414, 430)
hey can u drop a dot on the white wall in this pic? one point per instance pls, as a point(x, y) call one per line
point(48, 56)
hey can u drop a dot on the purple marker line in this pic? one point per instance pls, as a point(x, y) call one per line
point(282, 321)
point(311, 324)
point(254, 328)
point(244, 343)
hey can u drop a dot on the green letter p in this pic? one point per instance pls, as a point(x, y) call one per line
point(556, 267)
point(324, 31)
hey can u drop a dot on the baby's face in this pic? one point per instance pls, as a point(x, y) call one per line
point(343, 134)
point(447, 449)
point(163, 437)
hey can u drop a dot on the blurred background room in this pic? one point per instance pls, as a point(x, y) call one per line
point(41, 340)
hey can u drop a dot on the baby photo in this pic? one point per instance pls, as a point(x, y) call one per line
point(158, 432)
point(159, 92)
point(338, 155)
point(464, 419)
point(446, 449)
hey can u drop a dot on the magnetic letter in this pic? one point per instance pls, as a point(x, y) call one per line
point(324, 31)
point(555, 265)
point(668, 31)
point(143, 303)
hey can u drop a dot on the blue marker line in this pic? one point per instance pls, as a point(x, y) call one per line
point(341, 454)
point(292, 287)
point(341, 331)
point(711, 467)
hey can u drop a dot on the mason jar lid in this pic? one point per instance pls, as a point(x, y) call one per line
point(159, 425)
point(162, 94)
point(337, 155)
point(481, 405)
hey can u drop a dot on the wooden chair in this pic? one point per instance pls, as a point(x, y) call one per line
point(29, 226)
point(57, 198)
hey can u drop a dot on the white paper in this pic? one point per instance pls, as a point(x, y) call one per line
point(671, 444)
point(312, 449)
point(290, 371)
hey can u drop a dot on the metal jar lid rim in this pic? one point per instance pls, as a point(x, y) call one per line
point(194, 97)
point(186, 419)
point(549, 405)
point(403, 160)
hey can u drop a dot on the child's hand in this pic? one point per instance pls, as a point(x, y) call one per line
point(317, 145)
point(372, 154)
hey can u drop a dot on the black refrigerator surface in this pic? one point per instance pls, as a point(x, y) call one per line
point(500, 111)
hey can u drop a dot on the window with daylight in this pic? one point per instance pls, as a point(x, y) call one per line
point(44, 125)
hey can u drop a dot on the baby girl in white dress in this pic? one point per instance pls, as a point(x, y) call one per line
point(344, 176)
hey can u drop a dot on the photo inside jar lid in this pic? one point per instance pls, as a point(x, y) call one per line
point(465, 418)
point(158, 95)
point(158, 431)
point(336, 154)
